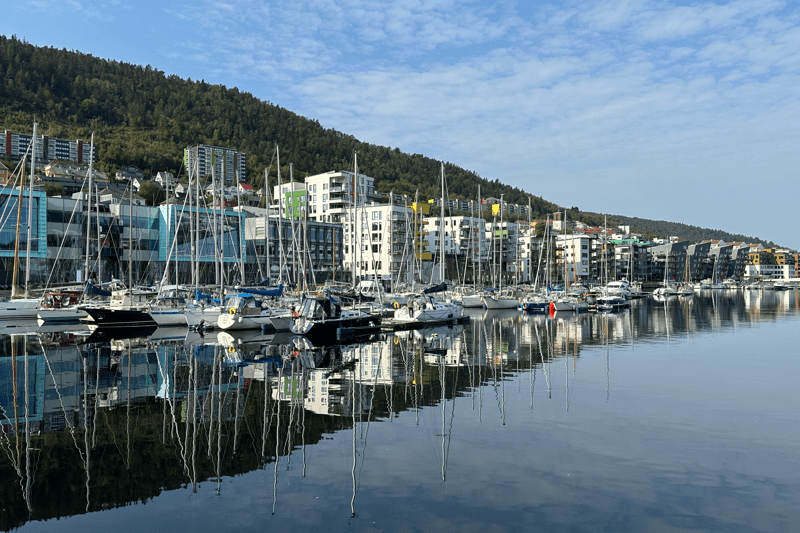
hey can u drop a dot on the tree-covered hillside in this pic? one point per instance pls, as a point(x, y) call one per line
point(142, 117)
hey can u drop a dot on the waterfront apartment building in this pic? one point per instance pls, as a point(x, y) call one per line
point(464, 241)
point(573, 257)
point(630, 258)
point(13, 146)
point(380, 245)
point(332, 194)
point(225, 163)
point(291, 199)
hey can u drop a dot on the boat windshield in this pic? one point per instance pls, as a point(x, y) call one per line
point(318, 309)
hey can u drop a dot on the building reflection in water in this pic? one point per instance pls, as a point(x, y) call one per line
point(175, 408)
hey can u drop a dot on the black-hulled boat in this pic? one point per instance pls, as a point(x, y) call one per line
point(321, 318)
point(128, 308)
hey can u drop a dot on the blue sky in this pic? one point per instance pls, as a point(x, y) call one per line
point(682, 111)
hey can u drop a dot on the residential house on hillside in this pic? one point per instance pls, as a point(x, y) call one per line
point(110, 196)
point(165, 179)
point(128, 173)
point(59, 168)
point(138, 182)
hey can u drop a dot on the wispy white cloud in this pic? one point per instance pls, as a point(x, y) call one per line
point(605, 105)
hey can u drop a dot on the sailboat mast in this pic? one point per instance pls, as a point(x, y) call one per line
point(197, 222)
point(416, 238)
point(266, 224)
point(290, 202)
point(500, 247)
point(356, 230)
point(241, 230)
point(281, 261)
point(88, 217)
point(442, 233)
point(190, 174)
point(531, 237)
point(130, 239)
point(481, 231)
point(30, 210)
point(215, 226)
point(15, 275)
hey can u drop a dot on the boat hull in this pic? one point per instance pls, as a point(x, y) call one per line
point(325, 331)
point(64, 315)
point(500, 303)
point(118, 318)
point(169, 317)
point(20, 309)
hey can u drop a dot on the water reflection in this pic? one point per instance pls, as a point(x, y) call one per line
point(92, 423)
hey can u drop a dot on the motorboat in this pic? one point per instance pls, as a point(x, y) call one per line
point(321, 318)
point(423, 308)
point(128, 308)
point(244, 311)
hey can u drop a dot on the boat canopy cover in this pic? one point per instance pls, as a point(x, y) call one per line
point(274, 292)
point(97, 291)
point(436, 288)
point(200, 297)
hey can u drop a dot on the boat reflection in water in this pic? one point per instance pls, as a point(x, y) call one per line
point(106, 422)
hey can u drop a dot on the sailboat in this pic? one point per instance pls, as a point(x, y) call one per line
point(666, 289)
point(500, 300)
point(422, 308)
point(23, 308)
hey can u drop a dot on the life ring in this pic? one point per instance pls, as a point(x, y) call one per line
point(231, 349)
point(396, 305)
point(232, 311)
point(397, 340)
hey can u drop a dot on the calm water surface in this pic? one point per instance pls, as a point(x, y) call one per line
point(678, 415)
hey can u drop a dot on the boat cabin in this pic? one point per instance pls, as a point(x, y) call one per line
point(320, 308)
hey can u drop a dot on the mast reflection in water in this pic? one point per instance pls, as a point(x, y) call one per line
point(675, 414)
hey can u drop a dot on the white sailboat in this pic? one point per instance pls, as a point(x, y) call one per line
point(500, 299)
point(422, 308)
point(24, 308)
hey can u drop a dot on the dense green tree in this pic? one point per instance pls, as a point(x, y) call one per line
point(53, 189)
point(152, 193)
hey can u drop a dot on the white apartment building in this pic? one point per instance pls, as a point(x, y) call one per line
point(530, 258)
point(331, 194)
point(463, 237)
point(573, 252)
point(769, 271)
point(288, 197)
point(381, 244)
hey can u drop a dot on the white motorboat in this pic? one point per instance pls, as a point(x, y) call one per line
point(423, 309)
point(243, 311)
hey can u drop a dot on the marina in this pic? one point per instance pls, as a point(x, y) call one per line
point(671, 414)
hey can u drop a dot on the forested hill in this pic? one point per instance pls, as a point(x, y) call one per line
point(142, 117)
